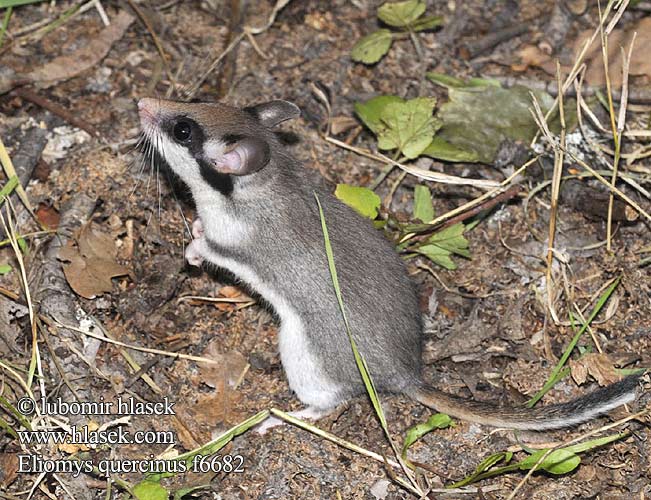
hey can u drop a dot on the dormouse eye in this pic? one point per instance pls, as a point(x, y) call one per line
point(182, 131)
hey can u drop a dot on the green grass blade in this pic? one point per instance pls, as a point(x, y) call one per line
point(361, 363)
point(556, 374)
point(8, 188)
point(15, 3)
point(5, 24)
point(216, 444)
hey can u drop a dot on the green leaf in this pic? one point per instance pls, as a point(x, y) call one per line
point(493, 459)
point(448, 81)
point(364, 201)
point(484, 466)
point(594, 443)
point(372, 47)
point(427, 23)
point(8, 188)
point(423, 207)
point(479, 118)
point(401, 14)
point(150, 490)
point(438, 255)
point(452, 239)
point(436, 421)
point(408, 126)
point(557, 462)
point(443, 150)
point(22, 244)
point(370, 111)
point(441, 245)
point(4, 269)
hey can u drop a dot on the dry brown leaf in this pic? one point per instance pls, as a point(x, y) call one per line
point(640, 60)
point(72, 448)
point(599, 366)
point(86, 57)
point(8, 469)
point(225, 373)
point(48, 215)
point(531, 55)
point(89, 262)
point(341, 124)
point(229, 292)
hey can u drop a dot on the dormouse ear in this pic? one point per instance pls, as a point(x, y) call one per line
point(272, 113)
point(246, 156)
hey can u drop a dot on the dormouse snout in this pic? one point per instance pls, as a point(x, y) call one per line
point(148, 110)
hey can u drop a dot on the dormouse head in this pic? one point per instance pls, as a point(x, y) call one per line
point(212, 144)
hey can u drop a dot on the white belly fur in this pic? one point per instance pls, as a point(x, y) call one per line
point(304, 372)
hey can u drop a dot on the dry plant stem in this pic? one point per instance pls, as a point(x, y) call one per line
point(135, 348)
point(579, 60)
point(344, 444)
point(574, 441)
point(227, 300)
point(418, 172)
point(431, 271)
point(35, 363)
point(101, 12)
point(156, 41)
point(52, 290)
point(56, 361)
point(394, 188)
point(52, 107)
point(477, 201)
point(384, 173)
point(611, 113)
point(10, 171)
point(194, 88)
point(132, 363)
point(617, 131)
point(246, 31)
point(20, 380)
point(590, 330)
point(582, 107)
point(228, 69)
point(556, 185)
point(542, 124)
point(612, 188)
point(511, 192)
point(45, 22)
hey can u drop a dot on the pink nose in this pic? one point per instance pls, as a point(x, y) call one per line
point(148, 109)
point(147, 103)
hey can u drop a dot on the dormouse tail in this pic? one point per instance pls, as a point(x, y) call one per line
point(553, 416)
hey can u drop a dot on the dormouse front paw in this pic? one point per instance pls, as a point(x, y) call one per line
point(193, 252)
point(197, 228)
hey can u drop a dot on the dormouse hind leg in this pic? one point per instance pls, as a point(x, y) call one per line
point(309, 413)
